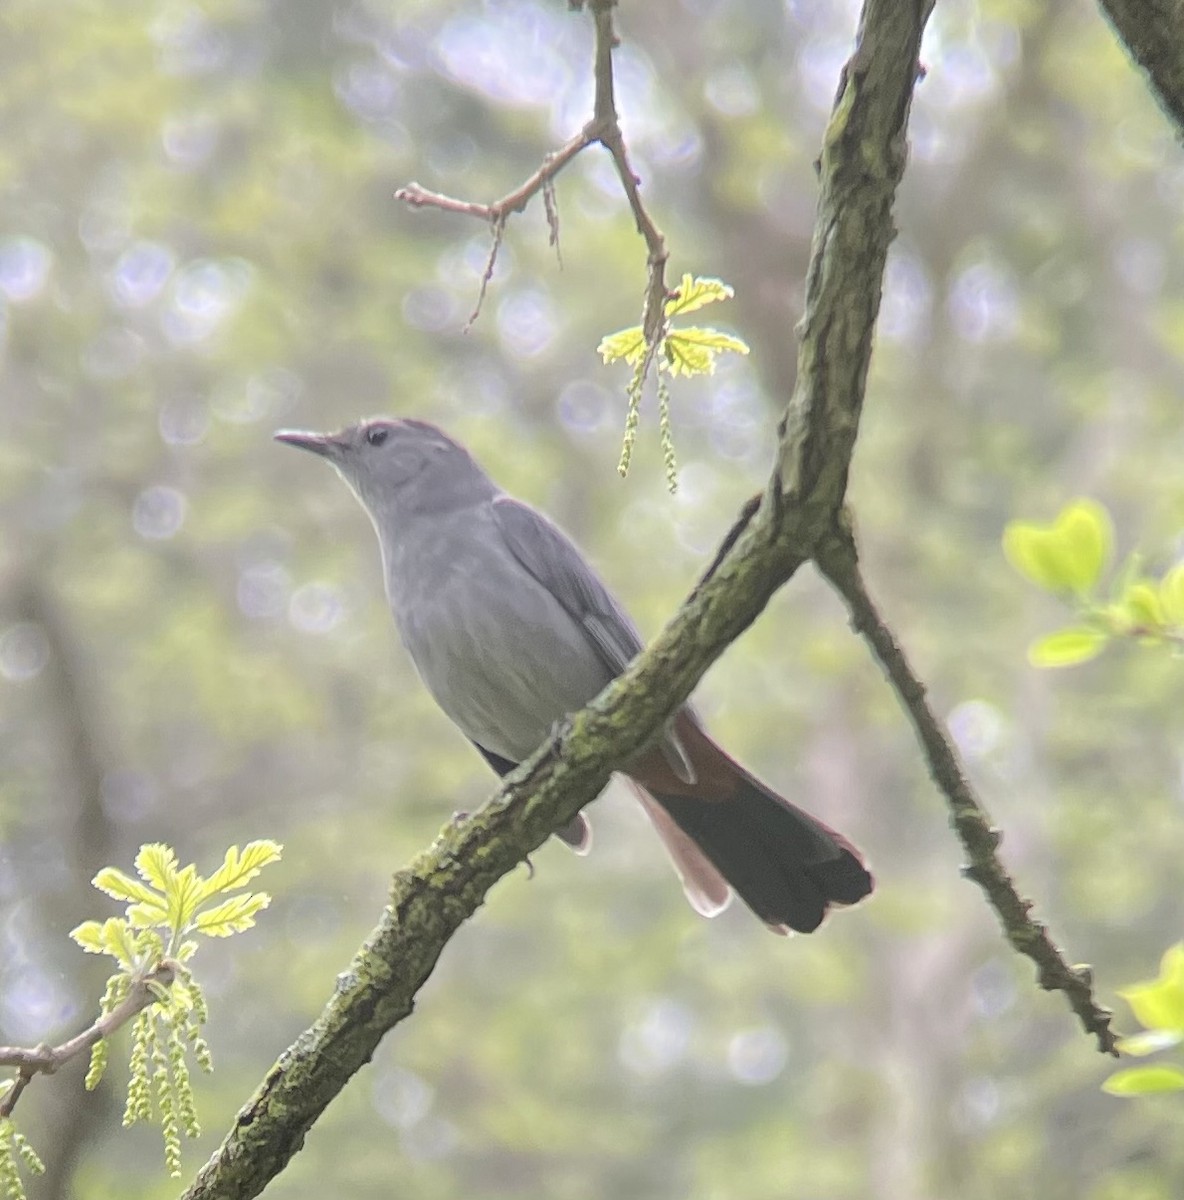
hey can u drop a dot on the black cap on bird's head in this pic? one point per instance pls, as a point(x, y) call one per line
point(398, 467)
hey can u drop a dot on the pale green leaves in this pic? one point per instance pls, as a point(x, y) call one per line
point(175, 901)
point(1159, 1006)
point(1143, 1081)
point(1159, 1003)
point(1067, 647)
point(1069, 558)
point(152, 944)
point(685, 350)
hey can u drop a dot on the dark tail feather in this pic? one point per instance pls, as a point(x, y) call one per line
point(785, 865)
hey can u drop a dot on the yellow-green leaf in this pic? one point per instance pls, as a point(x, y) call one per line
point(119, 886)
point(1143, 1081)
point(1027, 547)
point(628, 344)
point(231, 916)
point(1066, 557)
point(711, 339)
point(239, 868)
point(114, 937)
point(1068, 647)
point(122, 943)
point(151, 912)
point(693, 293)
point(183, 896)
point(1087, 535)
point(693, 351)
point(685, 358)
point(89, 935)
point(1141, 608)
point(1171, 596)
point(1151, 1041)
point(157, 865)
point(1159, 1003)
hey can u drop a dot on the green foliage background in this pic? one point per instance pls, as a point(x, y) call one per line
point(198, 244)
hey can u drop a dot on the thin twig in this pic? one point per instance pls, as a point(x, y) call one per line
point(837, 558)
point(551, 209)
point(604, 129)
point(612, 139)
point(417, 196)
point(45, 1060)
point(499, 229)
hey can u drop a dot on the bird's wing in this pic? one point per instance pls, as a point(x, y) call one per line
point(550, 557)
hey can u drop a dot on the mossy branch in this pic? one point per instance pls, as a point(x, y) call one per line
point(1152, 33)
point(838, 560)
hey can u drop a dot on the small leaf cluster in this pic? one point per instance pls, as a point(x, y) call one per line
point(686, 350)
point(1069, 558)
point(166, 907)
point(1159, 1006)
point(15, 1152)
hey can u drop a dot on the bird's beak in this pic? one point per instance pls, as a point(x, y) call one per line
point(324, 444)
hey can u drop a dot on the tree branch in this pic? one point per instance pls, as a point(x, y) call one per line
point(839, 562)
point(862, 160)
point(603, 128)
point(45, 1060)
point(1150, 30)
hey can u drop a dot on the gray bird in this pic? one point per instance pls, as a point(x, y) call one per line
point(511, 629)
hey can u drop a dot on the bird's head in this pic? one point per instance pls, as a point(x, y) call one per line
point(399, 468)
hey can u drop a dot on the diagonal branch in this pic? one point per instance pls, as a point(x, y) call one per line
point(838, 561)
point(1151, 32)
point(45, 1060)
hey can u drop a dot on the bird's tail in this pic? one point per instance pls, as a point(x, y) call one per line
point(786, 865)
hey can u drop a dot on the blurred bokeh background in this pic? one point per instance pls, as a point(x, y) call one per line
point(199, 244)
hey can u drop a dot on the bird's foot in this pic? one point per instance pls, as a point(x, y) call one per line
point(560, 728)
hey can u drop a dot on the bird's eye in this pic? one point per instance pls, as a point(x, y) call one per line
point(377, 435)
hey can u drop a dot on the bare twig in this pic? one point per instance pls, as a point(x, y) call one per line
point(604, 129)
point(45, 1060)
point(610, 136)
point(499, 229)
point(838, 560)
point(862, 160)
point(551, 208)
point(418, 196)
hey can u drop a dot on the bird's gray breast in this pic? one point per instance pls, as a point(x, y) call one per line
point(499, 653)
